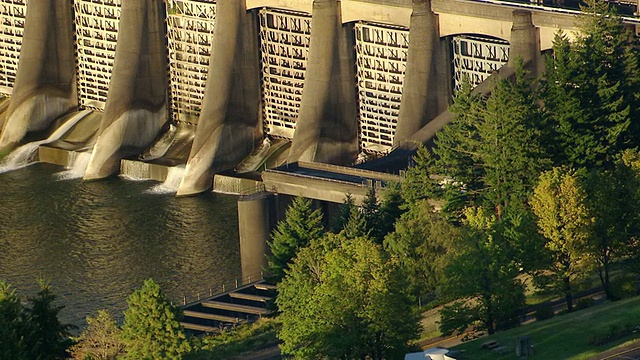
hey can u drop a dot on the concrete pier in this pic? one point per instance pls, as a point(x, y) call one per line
point(427, 85)
point(326, 130)
point(255, 220)
point(45, 85)
point(525, 42)
point(136, 107)
point(229, 125)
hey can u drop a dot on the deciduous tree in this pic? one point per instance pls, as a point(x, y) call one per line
point(560, 204)
point(344, 299)
point(100, 340)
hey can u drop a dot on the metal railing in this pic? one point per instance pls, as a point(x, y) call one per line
point(218, 289)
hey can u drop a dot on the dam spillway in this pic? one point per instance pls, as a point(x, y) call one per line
point(227, 74)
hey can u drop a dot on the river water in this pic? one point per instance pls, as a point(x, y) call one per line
point(96, 242)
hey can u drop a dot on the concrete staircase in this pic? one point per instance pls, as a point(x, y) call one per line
point(243, 305)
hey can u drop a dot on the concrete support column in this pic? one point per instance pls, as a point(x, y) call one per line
point(525, 42)
point(327, 128)
point(45, 86)
point(427, 89)
point(255, 220)
point(136, 107)
point(229, 125)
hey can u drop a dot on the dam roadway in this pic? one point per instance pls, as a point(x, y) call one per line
point(198, 86)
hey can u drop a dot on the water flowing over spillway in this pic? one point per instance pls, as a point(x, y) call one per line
point(26, 154)
point(170, 185)
point(78, 162)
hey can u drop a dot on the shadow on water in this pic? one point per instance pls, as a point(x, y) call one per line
point(96, 242)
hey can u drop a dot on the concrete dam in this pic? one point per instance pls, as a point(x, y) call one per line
point(212, 86)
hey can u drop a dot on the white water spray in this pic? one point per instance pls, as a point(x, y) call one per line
point(78, 162)
point(170, 185)
point(25, 155)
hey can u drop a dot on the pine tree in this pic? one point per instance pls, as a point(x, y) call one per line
point(591, 90)
point(301, 224)
point(151, 329)
point(356, 225)
point(47, 337)
point(340, 220)
point(12, 326)
point(492, 152)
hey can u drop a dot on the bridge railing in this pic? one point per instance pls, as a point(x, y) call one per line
point(192, 298)
point(626, 19)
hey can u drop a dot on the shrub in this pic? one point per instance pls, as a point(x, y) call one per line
point(584, 303)
point(624, 287)
point(544, 311)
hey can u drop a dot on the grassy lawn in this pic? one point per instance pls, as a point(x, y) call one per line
point(569, 336)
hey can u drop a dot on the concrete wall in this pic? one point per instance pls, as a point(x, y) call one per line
point(136, 107)
point(45, 85)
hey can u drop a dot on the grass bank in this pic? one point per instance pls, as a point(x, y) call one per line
point(578, 335)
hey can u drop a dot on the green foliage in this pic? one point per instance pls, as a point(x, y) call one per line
point(371, 212)
point(482, 272)
point(33, 331)
point(356, 225)
point(613, 204)
point(340, 220)
point(49, 339)
point(233, 343)
point(391, 208)
point(421, 243)
point(591, 90)
point(544, 311)
point(418, 184)
point(12, 326)
point(344, 299)
point(151, 328)
point(492, 151)
point(100, 340)
point(560, 204)
point(624, 286)
point(301, 224)
point(583, 303)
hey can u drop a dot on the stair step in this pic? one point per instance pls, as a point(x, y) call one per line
point(235, 307)
point(222, 318)
point(264, 286)
point(243, 296)
point(197, 327)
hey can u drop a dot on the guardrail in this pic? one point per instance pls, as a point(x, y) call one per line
point(218, 289)
point(627, 19)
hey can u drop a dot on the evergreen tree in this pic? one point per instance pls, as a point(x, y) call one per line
point(12, 326)
point(592, 90)
point(391, 207)
point(371, 213)
point(151, 328)
point(418, 184)
point(356, 225)
point(301, 224)
point(340, 220)
point(47, 337)
point(492, 152)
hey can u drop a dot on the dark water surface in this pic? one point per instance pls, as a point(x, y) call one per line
point(96, 242)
